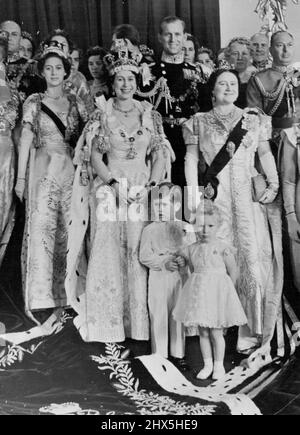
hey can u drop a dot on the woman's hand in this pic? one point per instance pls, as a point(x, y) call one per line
point(122, 194)
point(20, 188)
point(293, 227)
point(269, 196)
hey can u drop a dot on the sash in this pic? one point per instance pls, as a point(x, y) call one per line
point(57, 121)
point(225, 155)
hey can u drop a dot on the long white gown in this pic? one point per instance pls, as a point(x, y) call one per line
point(254, 229)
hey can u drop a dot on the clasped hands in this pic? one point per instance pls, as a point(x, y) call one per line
point(175, 263)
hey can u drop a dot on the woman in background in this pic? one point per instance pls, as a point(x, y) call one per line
point(99, 83)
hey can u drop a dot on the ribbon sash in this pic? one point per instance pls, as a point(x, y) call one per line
point(57, 121)
point(224, 156)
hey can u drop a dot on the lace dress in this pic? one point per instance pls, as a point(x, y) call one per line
point(209, 298)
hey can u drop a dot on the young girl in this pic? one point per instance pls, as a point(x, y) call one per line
point(209, 299)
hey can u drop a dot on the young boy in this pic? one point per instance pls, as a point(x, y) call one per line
point(160, 243)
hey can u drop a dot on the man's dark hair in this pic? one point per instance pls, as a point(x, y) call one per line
point(169, 20)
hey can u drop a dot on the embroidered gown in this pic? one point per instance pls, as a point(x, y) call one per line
point(252, 228)
point(8, 117)
point(49, 188)
point(113, 304)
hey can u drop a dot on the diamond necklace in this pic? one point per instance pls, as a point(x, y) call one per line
point(228, 117)
point(125, 112)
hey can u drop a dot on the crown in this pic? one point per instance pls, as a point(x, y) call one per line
point(122, 58)
point(54, 47)
point(224, 64)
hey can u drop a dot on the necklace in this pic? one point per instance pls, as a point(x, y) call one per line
point(52, 97)
point(131, 142)
point(228, 117)
point(125, 112)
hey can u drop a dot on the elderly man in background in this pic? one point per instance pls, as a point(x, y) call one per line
point(260, 51)
point(21, 75)
point(238, 55)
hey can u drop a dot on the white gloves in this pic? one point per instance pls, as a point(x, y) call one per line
point(191, 175)
point(269, 166)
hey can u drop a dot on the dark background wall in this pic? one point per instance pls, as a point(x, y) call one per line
point(91, 22)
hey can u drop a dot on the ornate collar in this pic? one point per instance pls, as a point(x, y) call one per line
point(280, 68)
point(177, 59)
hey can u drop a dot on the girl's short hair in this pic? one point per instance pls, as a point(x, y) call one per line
point(208, 208)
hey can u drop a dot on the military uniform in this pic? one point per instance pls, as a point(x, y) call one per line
point(186, 94)
point(272, 91)
point(23, 76)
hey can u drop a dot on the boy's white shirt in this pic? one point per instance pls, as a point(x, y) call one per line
point(152, 253)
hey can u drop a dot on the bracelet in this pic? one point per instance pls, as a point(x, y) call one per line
point(151, 184)
point(289, 214)
point(19, 178)
point(111, 182)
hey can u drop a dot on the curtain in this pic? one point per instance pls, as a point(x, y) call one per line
point(91, 22)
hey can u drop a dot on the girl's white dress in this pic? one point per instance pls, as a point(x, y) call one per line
point(209, 298)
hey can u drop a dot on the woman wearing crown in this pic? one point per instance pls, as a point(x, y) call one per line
point(127, 151)
point(227, 140)
point(45, 178)
point(9, 104)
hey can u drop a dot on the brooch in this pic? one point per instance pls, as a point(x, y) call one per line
point(231, 149)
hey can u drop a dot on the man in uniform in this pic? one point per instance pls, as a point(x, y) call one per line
point(21, 74)
point(183, 94)
point(273, 90)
